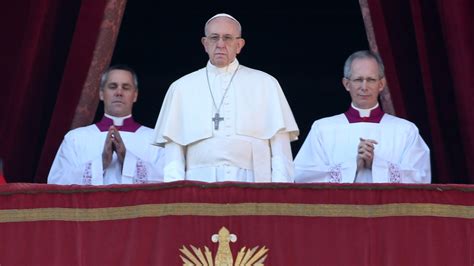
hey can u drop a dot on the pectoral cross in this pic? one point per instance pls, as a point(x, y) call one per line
point(217, 119)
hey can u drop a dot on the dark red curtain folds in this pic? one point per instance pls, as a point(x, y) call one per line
point(36, 39)
point(51, 59)
point(429, 54)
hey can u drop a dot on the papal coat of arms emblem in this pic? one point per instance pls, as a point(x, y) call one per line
point(253, 256)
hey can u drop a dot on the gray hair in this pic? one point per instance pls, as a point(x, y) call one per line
point(105, 75)
point(223, 15)
point(363, 55)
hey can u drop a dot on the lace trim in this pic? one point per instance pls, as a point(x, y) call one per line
point(335, 175)
point(394, 173)
point(87, 175)
point(142, 173)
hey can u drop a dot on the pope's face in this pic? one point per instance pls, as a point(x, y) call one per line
point(365, 83)
point(222, 42)
point(119, 93)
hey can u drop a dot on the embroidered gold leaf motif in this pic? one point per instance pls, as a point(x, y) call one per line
point(253, 256)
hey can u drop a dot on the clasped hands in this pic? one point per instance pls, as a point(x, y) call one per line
point(365, 153)
point(113, 143)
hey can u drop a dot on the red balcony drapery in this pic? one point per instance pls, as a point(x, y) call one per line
point(299, 224)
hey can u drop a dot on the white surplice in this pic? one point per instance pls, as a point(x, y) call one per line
point(329, 152)
point(252, 143)
point(79, 159)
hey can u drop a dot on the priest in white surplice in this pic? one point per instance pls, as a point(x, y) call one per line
point(226, 122)
point(363, 145)
point(116, 150)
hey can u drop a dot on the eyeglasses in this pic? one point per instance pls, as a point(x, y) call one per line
point(227, 39)
point(360, 80)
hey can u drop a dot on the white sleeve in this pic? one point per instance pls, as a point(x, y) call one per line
point(143, 170)
point(282, 158)
point(174, 162)
point(414, 165)
point(312, 163)
point(67, 169)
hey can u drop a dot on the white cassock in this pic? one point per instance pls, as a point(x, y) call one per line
point(252, 143)
point(330, 150)
point(79, 158)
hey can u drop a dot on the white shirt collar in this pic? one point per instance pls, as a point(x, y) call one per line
point(220, 70)
point(118, 121)
point(364, 112)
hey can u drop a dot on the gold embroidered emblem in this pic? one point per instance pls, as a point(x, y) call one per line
point(223, 257)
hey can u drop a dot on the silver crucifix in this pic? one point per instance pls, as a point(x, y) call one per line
point(217, 119)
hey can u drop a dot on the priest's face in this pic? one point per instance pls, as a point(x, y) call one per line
point(119, 93)
point(222, 42)
point(365, 83)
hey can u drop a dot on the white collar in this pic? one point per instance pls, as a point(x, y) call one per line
point(364, 112)
point(230, 68)
point(118, 121)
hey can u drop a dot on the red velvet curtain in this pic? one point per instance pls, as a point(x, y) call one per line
point(47, 57)
point(428, 50)
point(36, 36)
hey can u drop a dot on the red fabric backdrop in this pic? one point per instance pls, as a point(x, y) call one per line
point(36, 36)
point(49, 56)
point(428, 50)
